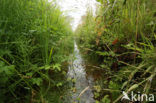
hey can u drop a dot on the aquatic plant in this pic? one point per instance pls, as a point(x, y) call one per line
point(32, 45)
point(122, 37)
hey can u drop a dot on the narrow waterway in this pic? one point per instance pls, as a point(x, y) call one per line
point(82, 92)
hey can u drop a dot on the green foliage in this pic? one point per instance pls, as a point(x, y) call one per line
point(36, 81)
point(114, 86)
point(6, 72)
point(101, 1)
point(57, 67)
point(35, 39)
point(105, 99)
point(122, 36)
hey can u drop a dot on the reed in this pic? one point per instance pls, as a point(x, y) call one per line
point(32, 34)
point(122, 36)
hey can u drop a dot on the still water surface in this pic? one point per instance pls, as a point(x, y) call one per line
point(82, 92)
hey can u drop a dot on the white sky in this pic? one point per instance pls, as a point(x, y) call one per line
point(76, 9)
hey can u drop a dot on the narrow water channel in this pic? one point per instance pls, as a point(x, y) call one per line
point(82, 92)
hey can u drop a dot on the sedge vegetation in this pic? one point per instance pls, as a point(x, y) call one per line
point(35, 39)
point(122, 37)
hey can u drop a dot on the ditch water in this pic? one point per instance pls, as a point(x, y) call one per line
point(82, 84)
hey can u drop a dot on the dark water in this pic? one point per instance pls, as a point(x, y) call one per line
point(82, 85)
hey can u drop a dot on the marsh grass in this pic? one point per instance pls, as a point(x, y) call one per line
point(122, 35)
point(32, 41)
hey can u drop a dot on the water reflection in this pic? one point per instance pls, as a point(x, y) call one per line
point(82, 92)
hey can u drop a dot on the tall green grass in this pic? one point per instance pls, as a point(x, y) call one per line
point(122, 35)
point(35, 38)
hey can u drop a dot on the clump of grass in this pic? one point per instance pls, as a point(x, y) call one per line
point(122, 35)
point(32, 34)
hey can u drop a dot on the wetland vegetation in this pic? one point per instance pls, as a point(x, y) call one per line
point(43, 60)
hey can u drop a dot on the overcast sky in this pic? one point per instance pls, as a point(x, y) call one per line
point(76, 9)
